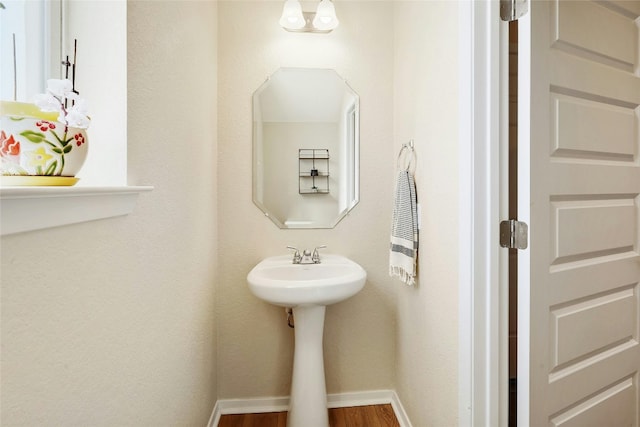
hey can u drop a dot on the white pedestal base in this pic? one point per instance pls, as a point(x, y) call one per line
point(308, 404)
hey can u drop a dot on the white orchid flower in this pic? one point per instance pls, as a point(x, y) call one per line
point(60, 87)
point(59, 92)
point(80, 105)
point(48, 103)
point(77, 120)
point(77, 115)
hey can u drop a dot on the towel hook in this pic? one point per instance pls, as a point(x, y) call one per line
point(406, 150)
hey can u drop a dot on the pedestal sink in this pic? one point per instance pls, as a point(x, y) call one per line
point(307, 289)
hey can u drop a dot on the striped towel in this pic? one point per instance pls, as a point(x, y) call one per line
point(404, 230)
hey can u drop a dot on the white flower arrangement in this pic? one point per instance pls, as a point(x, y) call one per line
point(59, 93)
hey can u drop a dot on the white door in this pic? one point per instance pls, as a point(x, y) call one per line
point(579, 177)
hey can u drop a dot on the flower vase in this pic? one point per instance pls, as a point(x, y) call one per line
point(38, 150)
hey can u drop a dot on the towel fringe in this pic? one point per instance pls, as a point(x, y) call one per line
point(402, 274)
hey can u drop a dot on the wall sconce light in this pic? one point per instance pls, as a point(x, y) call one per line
point(323, 20)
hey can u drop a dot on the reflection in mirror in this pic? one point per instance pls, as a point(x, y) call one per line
point(305, 148)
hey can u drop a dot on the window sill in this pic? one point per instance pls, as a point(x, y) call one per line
point(34, 208)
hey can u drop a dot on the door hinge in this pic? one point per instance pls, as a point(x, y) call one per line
point(512, 10)
point(514, 234)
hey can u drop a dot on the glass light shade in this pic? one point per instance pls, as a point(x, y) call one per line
point(326, 18)
point(292, 15)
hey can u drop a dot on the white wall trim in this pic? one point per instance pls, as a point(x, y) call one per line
point(361, 398)
point(34, 208)
point(253, 405)
point(214, 419)
point(338, 400)
point(479, 297)
point(398, 409)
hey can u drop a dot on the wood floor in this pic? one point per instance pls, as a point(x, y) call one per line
point(356, 416)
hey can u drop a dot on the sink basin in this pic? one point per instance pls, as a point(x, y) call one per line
point(278, 281)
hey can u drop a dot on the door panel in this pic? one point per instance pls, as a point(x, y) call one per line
point(606, 408)
point(612, 41)
point(590, 129)
point(586, 228)
point(580, 168)
point(571, 323)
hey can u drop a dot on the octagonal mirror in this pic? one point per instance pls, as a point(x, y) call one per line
point(305, 148)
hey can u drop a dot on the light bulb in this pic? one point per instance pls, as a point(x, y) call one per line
point(292, 18)
point(326, 18)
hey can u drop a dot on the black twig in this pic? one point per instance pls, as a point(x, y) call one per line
point(66, 64)
point(73, 69)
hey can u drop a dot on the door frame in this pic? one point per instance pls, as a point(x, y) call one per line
point(483, 177)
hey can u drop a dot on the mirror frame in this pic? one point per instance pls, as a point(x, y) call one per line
point(354, 129)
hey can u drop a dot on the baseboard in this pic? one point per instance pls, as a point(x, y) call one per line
point(398, 409)
point(337, 400)
point(214, 419)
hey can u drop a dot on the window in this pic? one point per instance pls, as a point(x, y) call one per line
point(45, 34)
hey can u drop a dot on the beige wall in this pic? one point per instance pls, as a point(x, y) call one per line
point(111, 323)
point(119, 327)
point(254, 343)
point(426, 110)
point(389, 336)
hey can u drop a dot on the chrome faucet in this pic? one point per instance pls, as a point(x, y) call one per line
point(316, 256)
point(296, 255)
point(307, 256)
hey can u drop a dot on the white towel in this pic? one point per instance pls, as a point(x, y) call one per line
point(404, 230)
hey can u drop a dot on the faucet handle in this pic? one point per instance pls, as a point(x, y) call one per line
point(296, 255)
point(316, 255)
